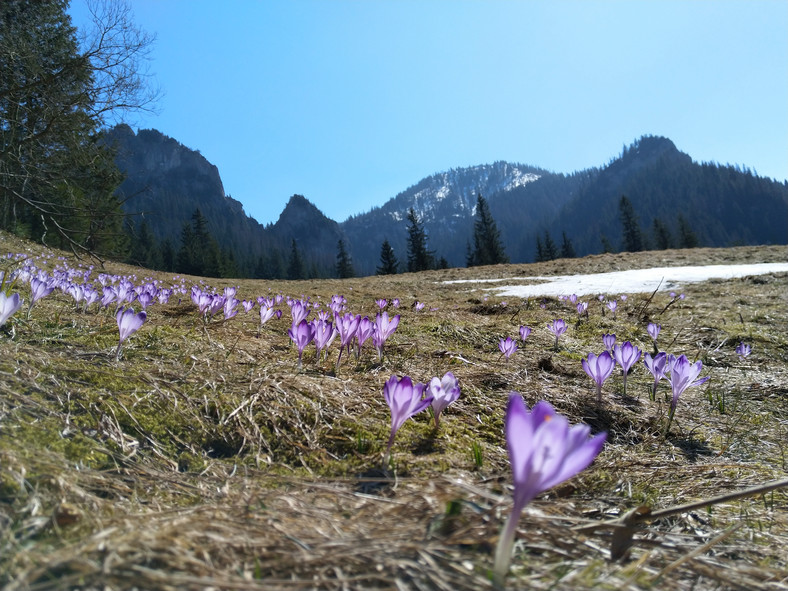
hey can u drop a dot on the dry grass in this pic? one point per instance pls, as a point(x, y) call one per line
point(202, 459)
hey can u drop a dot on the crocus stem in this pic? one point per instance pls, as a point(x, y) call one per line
point(503, 553)
point(388, 449)
point(117, 353)
point(624, 373)
point(670, 419)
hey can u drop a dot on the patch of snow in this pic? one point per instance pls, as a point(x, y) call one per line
point(632, 281)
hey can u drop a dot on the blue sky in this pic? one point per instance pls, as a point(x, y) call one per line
point(349, 102)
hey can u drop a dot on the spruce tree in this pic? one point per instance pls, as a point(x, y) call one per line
point(540, 256)
point(487, 246)
point(419, 257)
point(567, 250)
point(550, 249)
point(633, 238)
point(687, 237)
point(344, 263)
point(662, 238)
point(295, 266)
point(57, 177)
point(389, 265)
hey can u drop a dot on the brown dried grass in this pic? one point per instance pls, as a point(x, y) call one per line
point(203, 460)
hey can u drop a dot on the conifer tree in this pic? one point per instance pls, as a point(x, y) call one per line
point(540, 256)
point(344, 263)
point(389, 265)
point(419, 257)
point(295, 266)
point(550, 249)
point(662, 238)
point(606, 246)
point(487, 246)
point(687, 237)
point(567, 250)
point(57, 178)
point(633, 238)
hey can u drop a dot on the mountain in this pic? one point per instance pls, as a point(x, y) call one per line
point(444, 203)
point(165, 182)
point(313, 232)
point(722, 205)
point(718, 205)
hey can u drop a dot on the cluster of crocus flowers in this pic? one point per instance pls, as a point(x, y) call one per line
point(544, 450)
point(406, 399)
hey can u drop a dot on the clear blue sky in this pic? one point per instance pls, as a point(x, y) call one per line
point(350, 102)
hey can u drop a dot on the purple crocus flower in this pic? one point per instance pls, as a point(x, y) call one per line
point(384, 328)
point(39, 288)
point(444, 391)
point(324, 333)
point(507, 346)
point(544, 450)
point(404, 400)
point(653, 331)
point(128, 324)
point(573, 298)
point(395, 302)
point(525, 331)
point(743, 350)
point(612, 305)
point(382, 303)
point(683, 375)
point(657, 366)
point(301, 334)
point(347, 326)
point(557, 327)
point(9, 304)
point(598, 369)
point(108, 295)
point(582, 308)
point(247, 305)
point(298, 311)
point(363, 332)
point(230, 306)
point(627, 355)
point(609, 340)
point(146, 299)
point(266, 309)
point(419, 306)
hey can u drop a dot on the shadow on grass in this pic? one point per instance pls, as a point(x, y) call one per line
point(692, 448)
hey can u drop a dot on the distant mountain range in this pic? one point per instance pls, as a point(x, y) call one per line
point(723, 206)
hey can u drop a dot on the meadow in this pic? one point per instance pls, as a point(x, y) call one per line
point(202, 456)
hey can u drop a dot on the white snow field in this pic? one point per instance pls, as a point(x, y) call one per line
point(632, 281)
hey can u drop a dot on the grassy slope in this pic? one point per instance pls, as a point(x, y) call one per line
point(203, 459)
